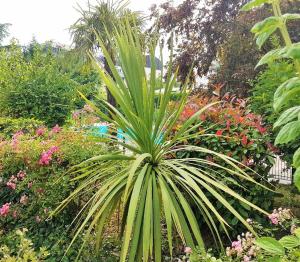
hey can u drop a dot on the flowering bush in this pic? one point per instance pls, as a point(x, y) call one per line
point(228, 127)
point(9, 126)
point(261, 248)
point(30, 166)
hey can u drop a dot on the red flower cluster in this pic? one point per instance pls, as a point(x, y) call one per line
point(230, 113)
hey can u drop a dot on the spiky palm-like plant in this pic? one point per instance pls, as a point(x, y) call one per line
point(154, 186)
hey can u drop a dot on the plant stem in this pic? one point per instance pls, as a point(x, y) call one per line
point(283, 29)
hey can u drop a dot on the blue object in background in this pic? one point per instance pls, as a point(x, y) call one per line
point(102, 131)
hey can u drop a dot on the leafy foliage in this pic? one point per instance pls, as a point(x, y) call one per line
point(31, 165)
point(264, 87)
point(10, 126)
point(95, 21)
point(288, 93)
point(200, 26)
point(25, 250)
point(35, 88)
point(154, 182)
point(4, 31)
point(229, 128)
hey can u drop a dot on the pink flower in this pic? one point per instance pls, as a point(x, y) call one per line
point(274, 218)
point(4, 210)
point(88, 108)
point(24, 200)
point(237, 245)
point(45, 159)
point(17, 134)
point(15, 214)
point(21, 175)
point(29, 185)
point(53, 149)
point(12, 183)
point(40, 131)
point(56, 129)
point(246, 259)
point(76, 115)
point(188, 250)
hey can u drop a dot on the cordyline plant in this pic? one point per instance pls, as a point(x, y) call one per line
point(154, 187)
point(288, 94)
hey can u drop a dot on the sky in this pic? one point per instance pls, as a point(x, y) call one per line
point(49, 19)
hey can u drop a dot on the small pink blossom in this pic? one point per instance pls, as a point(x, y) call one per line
point(17, 134)
point(12, 183)
point(4, 210)
point(29, 185)
point(76, 115)
point(246, 259)
point(88, 108)
point(56, 129)
point(15, 214)
point(21, 175)
point(274, 219)
point(188, 250)
point(24, 200)
point(53, 149)
point(237, 245)
point(40, 131)
point(46, 156)
point(45, 159)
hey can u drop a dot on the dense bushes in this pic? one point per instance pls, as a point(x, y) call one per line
point(261, 101)
point(34, 88)
point(228, 128)
point(9, 126)
point(29, 188)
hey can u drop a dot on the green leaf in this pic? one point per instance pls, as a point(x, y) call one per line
point(291, 16)
point(296, 158)
point(289, 242)
point(289, 132)
point(287, 116)
point(254, 3)
point(286, 86)
point(269, 24)
point(274, 259)
point(272, 56)
point(263, 37)
point(297, 232)
point(270, 245)
point(297, 178)
point(294, 51)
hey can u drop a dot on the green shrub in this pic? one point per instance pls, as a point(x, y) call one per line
point(230, 129)
point(262, 99)
point(23, 252)
point(9, 126)
point(29, 189)
point(34, 88)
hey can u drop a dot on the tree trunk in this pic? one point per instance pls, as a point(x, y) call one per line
point(110, 99)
